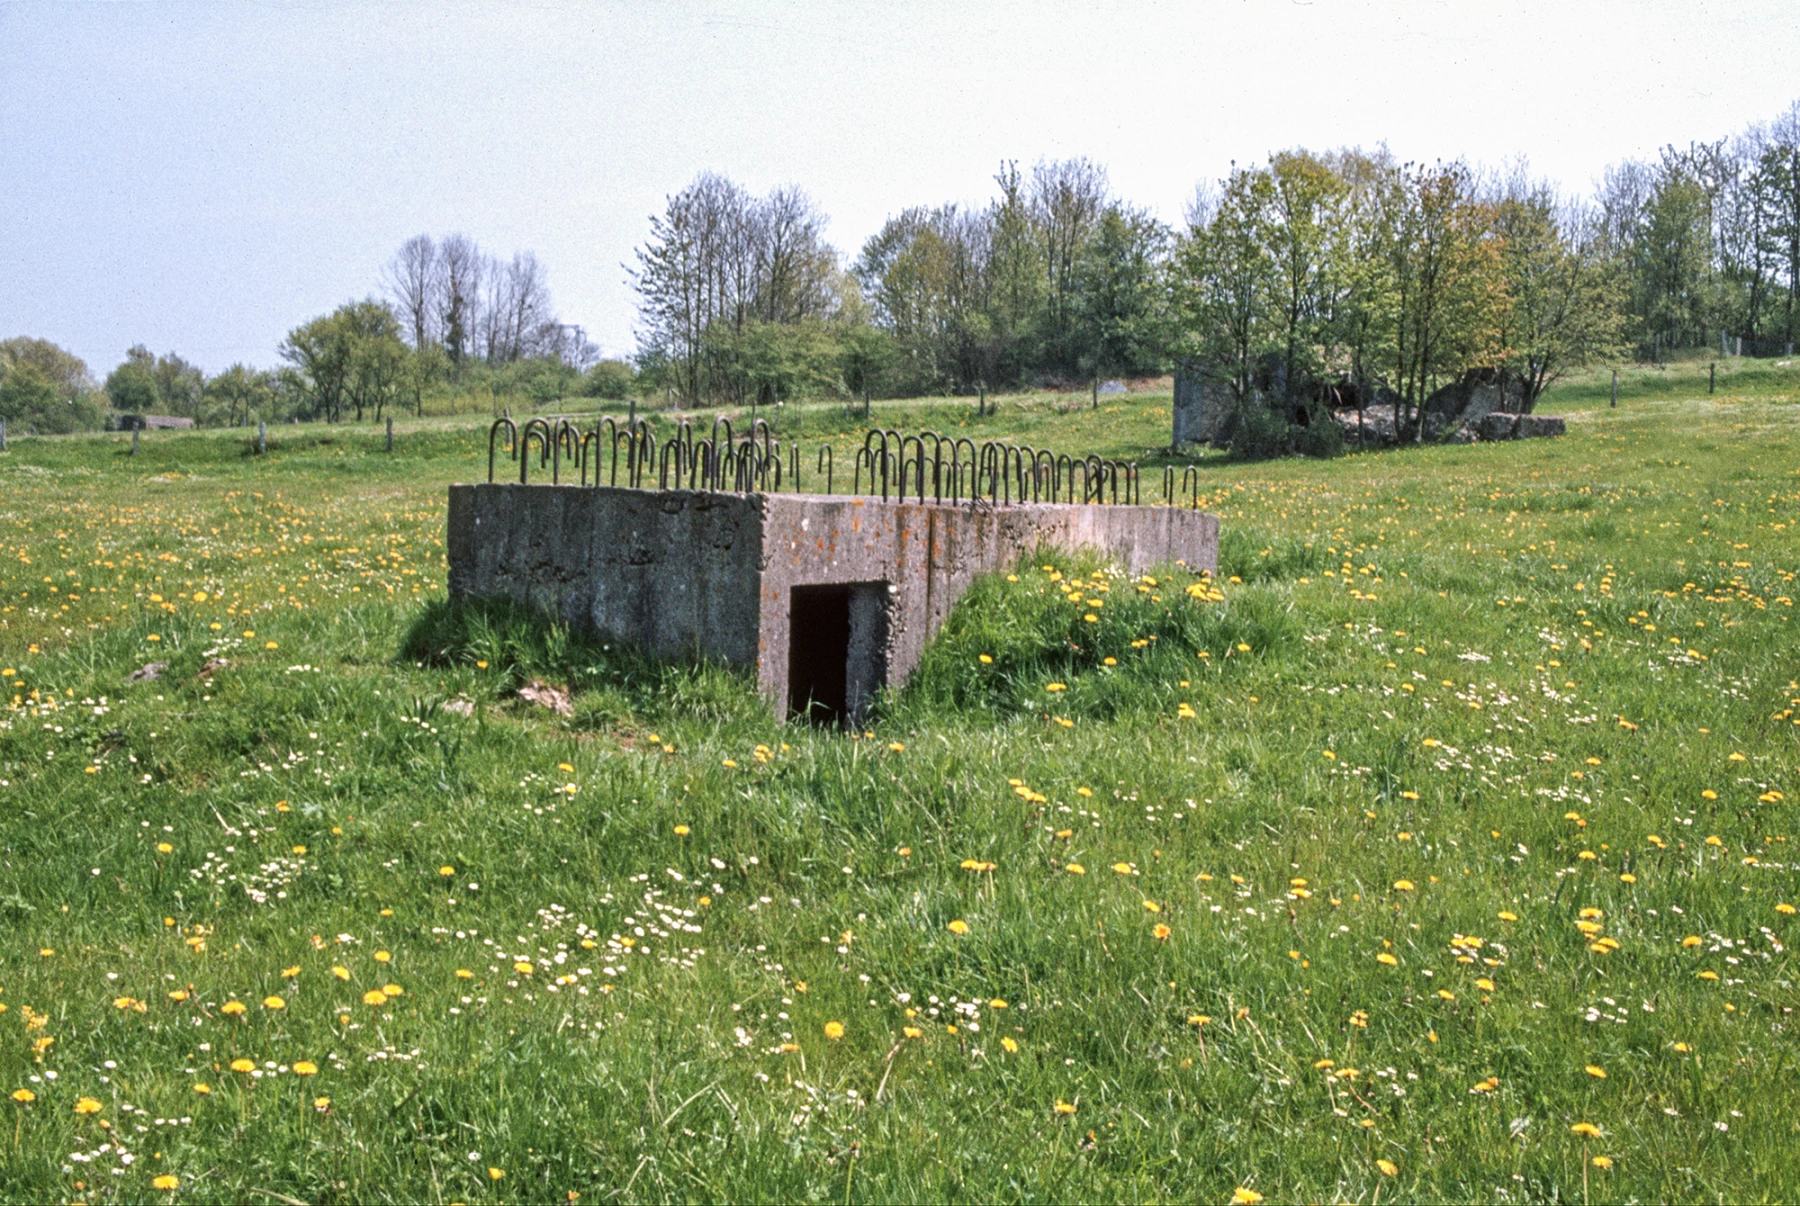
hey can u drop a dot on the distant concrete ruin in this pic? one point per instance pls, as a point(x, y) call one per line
point(125, 421)
point(830, 598)
point(1483, 404)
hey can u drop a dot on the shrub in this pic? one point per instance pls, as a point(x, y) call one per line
point(614, 379)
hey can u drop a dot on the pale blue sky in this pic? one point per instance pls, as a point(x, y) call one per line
point(203, 177)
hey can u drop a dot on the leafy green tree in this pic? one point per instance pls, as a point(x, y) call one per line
point(1301, 221)
point(1122, 303)
point(236, 394)
point(613, 379)
point(866, 357)
point(45, 389)
point(1778, 214)
point(1364, 320)
point(1224, 283)
point(1674, 263)
point(132, 388)
point(1564, 297)
point(352, 358)
point(1452, 291)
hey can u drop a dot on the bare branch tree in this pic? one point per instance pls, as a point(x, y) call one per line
point(413, 281)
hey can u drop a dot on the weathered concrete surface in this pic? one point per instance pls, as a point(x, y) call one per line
point(710, 573)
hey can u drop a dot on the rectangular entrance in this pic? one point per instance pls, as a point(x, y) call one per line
point(837, 650)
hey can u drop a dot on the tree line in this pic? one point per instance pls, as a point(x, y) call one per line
point(456, 326)
point(1346, 265)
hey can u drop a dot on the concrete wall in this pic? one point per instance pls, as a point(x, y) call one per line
point(697, 572)
point(930, 553)
point(672, 571)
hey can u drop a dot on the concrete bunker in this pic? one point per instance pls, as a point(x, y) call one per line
point(829, 598)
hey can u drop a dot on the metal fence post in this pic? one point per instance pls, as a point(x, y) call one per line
point(262, 436)
point(390, 433)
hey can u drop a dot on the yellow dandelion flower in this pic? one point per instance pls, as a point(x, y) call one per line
point(494, 1174)
point(24, 1096)
point(1388, 1168)
point(1586, 1130)
point(681, 831)
point(243, 1065)
point(383, 957)
point(87, 1105)
point(274, 1002)
point(1785, 908)
point(305, 1067)
point(1691, 941)
point(1403, 885)
point(1603, 1162)
point(375, 997)
point(834, 1030)
point(959, 926)
point(1010, 1044)
point(1162, 932)
point(342, 973)
point(321, 1104)
point(391, 990)
point(203, 1089)
point(289, 973)
point(166, 1181)
point(1597, 1072)
point(1244, 1196)
point(463, 973)
point(1122, 868)
point(523, 967)
point(911, 1031)
point(1063, 1107)
point(1387, 959)
point(1075, 868)
point(232, 1007)
point(446, 870)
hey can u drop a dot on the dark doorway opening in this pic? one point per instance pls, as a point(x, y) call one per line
point(837, 650)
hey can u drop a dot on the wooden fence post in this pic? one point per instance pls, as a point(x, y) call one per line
point(1615, 400)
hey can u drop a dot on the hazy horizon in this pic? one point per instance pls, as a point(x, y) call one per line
point(201, 179)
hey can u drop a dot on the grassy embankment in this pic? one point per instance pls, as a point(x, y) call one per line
point(1470, 831)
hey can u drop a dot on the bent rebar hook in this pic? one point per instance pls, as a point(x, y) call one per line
point(541, 429)
point(511, 445)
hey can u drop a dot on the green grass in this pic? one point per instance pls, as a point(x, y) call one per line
point(1464, 669)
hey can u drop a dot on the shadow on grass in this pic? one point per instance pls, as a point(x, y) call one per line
point(611, 680)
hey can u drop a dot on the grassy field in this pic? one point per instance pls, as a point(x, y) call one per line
point(1447, 856)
